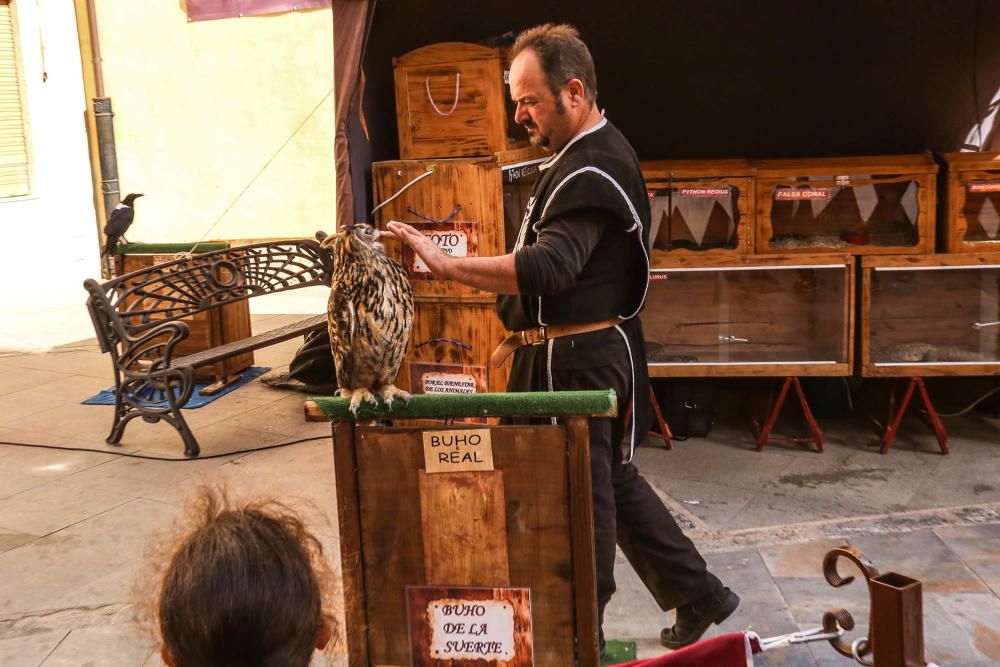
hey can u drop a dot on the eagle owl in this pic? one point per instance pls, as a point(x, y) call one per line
point(369, 315)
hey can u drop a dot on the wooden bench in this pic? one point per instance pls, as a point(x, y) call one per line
point(137, 320)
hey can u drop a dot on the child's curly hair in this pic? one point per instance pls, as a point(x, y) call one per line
point(247, 585)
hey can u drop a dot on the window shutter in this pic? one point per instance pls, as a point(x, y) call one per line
point(13, 140)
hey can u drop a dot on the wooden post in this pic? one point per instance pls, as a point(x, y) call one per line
point(581, 510)
point(349, 519)
point(897, 630)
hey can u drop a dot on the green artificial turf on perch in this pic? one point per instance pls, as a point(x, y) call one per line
point(447, 406)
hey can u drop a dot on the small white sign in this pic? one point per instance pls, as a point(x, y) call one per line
point(471, 629)
point(448, 383)
point(452, 241)
point(458, 450)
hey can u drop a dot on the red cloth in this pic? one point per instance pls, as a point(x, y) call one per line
point(205, 10)
point(723, 651)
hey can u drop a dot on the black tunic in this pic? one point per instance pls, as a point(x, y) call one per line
point(582, 256)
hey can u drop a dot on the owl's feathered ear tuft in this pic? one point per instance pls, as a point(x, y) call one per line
point(325, 240)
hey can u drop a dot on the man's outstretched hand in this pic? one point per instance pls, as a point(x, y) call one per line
point(435, 258)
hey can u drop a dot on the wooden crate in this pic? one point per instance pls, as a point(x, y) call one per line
point(700, 207)
point(930, 315)
point(469, 206)
point(450, 348)
point(525, 524)
point(778, 316)
point(207, 330)
point(856, 205)
point(972, 203)
point(451, 100)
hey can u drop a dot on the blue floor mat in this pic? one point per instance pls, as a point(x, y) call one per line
point(107, 396)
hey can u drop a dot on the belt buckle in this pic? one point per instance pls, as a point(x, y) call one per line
point(535, 336)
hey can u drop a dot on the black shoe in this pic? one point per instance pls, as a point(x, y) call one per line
point(694, 619)
point(601, 642)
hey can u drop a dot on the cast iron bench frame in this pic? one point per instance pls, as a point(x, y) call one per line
point(137, 320)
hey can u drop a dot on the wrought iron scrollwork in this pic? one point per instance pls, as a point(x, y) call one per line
point(136, 318)
point(841, 618)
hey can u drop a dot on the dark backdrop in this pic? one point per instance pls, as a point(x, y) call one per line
point(740, 78)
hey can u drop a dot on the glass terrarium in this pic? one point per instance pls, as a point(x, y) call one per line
point(699, 206)
point(864, 205)
point(777, 316)
point(931, 315)
point(973, 202)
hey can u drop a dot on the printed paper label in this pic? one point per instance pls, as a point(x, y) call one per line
point(991, 186)
point(705, 192)
point(471, 630)
point(811, 193)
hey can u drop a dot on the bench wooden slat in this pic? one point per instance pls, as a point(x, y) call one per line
point(284, 333)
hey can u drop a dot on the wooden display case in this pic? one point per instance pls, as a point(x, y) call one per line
point(854, 205)
point(451, 100)
point(703, 207)
point(972, 203)
point(777, 316)
point(450, 348)
point(468, 206)
point(207, 330)
point(930, 315)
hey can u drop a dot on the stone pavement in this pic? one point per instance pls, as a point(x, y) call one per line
point(79, 529)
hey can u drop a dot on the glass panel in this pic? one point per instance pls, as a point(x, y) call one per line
point(763, 315)
point(982, 211)
point(940, 315)
point(694, 217)
point(517, 184)
point(825, 216)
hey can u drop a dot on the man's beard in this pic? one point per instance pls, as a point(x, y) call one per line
point(541, 140)
point(538, 140)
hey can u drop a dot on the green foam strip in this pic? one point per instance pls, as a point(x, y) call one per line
point(168, 248)
point(445, 406)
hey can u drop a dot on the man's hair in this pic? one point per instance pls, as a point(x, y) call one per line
point(245, 586)
point(562, 55)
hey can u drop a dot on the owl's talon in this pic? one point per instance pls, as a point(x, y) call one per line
point(391, 392)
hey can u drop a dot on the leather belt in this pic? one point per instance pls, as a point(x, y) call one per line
point(539, 335)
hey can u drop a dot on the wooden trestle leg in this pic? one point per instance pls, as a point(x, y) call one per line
point(895, 419)
point(764, 434)
point(664, 427)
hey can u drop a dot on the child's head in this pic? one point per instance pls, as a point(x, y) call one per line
point(242, 588)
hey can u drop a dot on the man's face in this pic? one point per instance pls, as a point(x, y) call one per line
point(537, 109)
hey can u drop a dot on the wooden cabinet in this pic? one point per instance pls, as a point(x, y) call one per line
point(930, 315)
point(700, 207)
point(206, 330)
point(972, 203)
point(777, 316)
point(468, 206)
point(853, 205)
point(452, 100)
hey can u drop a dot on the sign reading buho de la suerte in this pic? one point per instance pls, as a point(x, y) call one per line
point(470, 626)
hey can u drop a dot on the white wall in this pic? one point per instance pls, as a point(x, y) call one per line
point(227, 123)
point(49, 237)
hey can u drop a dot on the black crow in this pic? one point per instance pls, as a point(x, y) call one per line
point(118, 223)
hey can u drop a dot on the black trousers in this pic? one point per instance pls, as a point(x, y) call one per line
point(626, 509)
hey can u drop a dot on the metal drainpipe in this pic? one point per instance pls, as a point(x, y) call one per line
point(104, 120)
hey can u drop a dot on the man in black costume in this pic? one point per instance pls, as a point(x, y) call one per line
point(579, 271)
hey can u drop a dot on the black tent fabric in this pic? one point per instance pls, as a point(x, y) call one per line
point(686, 79)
